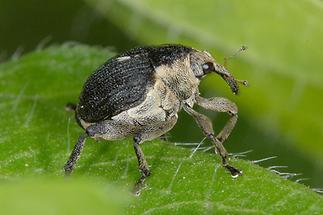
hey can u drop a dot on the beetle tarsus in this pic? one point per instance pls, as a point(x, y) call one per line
point(139, 186)
point(233, 171)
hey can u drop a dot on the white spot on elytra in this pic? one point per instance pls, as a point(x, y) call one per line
point(120, 59)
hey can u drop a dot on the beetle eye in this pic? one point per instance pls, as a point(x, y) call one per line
point(207, 67)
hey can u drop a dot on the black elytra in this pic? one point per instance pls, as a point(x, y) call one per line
point(119, 85)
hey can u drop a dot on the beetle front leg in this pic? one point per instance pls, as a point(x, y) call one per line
point(220, 104)
point(206, 125)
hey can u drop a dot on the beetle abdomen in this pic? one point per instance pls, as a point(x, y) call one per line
point(117, 85)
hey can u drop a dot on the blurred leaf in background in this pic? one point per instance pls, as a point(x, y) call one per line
point(26, 25)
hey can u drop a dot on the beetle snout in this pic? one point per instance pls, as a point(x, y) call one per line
point(228, 77)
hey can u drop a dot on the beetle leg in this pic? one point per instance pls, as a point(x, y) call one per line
point(220, 104)
point(206, 125)
point(142, 163)
point(91, 131)
point(75, 155)
point(143, 166)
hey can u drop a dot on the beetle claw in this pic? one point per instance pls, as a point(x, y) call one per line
point(234, 172)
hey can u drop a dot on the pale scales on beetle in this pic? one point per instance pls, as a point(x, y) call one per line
point(139, 93)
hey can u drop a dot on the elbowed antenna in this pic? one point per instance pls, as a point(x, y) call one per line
point(226, 59)
point(227, 76)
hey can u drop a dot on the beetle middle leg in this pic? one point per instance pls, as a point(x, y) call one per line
point(142, 163)
point(206, 125)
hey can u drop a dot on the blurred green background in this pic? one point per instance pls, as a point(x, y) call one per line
point(280, 113)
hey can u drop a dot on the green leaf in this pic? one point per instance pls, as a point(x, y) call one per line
point(37, 135)
point(48, 196)
point(283, 64)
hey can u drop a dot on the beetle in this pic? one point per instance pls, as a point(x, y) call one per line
point(139, 94)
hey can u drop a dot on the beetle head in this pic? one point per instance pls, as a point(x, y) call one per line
point(202, 63)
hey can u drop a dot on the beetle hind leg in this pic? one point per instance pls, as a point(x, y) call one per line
point(91, 131)
point(75, 155)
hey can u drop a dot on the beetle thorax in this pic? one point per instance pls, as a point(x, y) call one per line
point(179, 78)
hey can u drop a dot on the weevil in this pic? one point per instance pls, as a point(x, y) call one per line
point(139, 93)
